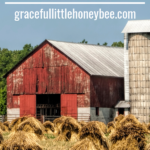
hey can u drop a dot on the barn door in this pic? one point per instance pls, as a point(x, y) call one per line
point(27, 105)
point(69, 105)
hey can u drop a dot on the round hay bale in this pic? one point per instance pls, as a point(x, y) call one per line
point(50, 129)
point(84, 144)
point(82, 123)
point(93, 132)
point(118, 119)
point(14, 123)
point(136, 131)
point(110, 127)
point(21, 141)
point(70, 125)
point(34, 126)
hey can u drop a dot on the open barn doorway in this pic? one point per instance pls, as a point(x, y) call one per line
point(121, 111)
point(48, 106)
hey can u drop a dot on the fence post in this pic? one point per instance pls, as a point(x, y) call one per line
point(43, 119)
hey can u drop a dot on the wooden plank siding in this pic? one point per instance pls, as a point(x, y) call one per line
point(106, 91)
point(48, 71)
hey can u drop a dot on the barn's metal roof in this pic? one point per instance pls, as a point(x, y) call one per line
point(123, 104)
point(137, 26)
point(96, 60)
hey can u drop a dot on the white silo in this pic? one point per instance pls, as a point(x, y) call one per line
point(137, 68)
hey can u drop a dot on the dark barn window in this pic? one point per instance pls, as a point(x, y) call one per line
point(97, 111)
point(121, 111)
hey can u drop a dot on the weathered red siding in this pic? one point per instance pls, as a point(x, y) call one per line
point(16, 101)
point(27, 105)
point(10, 91)
point(106, 91)
point(69, 105)
point(80, 100)
point(48, 71)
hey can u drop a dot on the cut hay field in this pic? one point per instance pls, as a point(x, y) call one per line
point(66, 133)
point(49, 143)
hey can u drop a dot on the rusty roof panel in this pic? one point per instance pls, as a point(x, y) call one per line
point(95, 59)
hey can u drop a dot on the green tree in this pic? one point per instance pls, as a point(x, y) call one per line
point(84, 41)
point(26, 50)
point(8, 59)
point(118, 44)
point(105, 44)
point(3, 94)
point(98, 43)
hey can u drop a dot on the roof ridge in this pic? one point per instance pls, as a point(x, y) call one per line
point(86, 44)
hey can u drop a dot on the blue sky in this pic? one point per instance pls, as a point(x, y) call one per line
point(14, 35)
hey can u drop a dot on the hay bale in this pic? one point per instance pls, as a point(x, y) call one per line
point(129, 119)
point(148, 127)
point(110, 127)
point(94, 133)
point(50, 129)
point(3, 128)
point(145, 127)
point(58, 121)
point(147, 147)
point(136, 131)
point(118, 119)
point(14, 123)
point(21, 141)
point(82, 123)
point(102, 126)
point(1, 138)
point(34, 126)
point(124, 144)
point(65, 136)
point(84, 144)
point(6, 124)
point(70, 125)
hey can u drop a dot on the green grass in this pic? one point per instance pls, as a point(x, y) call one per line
point(147, 136)
point(50, 144)
point(5, 135)
point(107, 134)
point(49, 136)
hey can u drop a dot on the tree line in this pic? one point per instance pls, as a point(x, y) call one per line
point(9, 58)
point(114, 44)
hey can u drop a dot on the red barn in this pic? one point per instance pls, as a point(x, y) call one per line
point(61, 78)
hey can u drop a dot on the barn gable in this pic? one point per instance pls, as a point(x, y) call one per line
point(94, 59)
